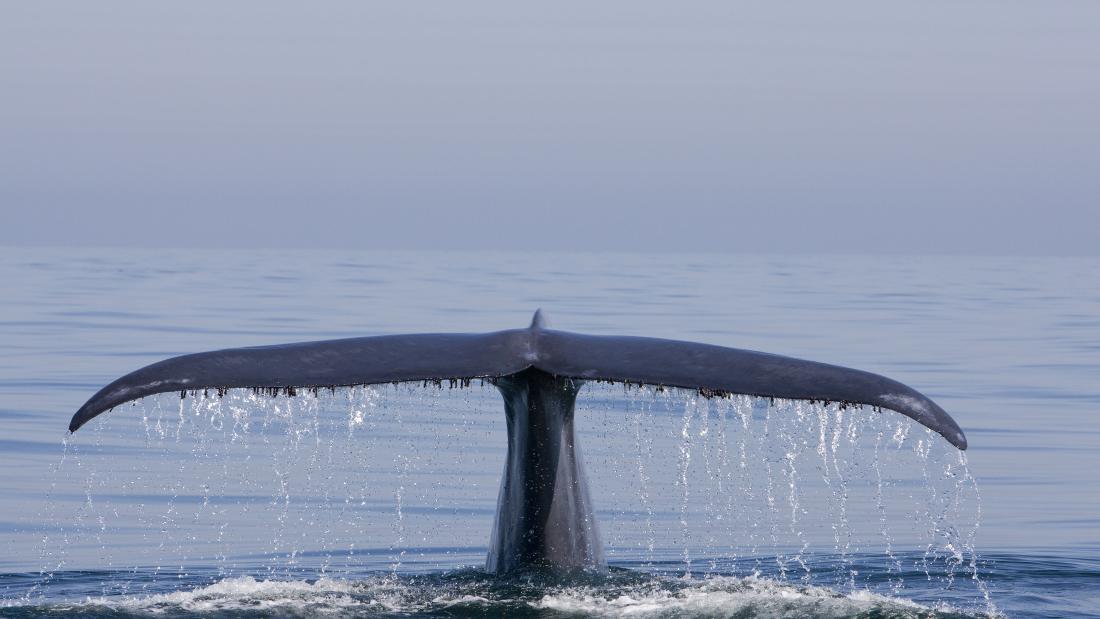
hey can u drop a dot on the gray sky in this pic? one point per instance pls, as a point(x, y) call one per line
point(913, 127)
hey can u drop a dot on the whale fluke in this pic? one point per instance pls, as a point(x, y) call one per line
point(716, 370)
point(544, 514)
point(713, 370)
point(330, 363)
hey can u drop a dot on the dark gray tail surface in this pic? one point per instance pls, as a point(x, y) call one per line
point(713, 370)
point(544, 514)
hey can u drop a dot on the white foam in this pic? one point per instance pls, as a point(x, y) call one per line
point(298, 597)
point(462, 600)
point(245, 592)
point(726, 596)
point(717, 596)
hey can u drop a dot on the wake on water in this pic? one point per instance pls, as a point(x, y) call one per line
point(369, 500)
point(470, 593)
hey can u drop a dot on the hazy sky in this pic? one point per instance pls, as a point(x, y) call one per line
point(915, 127)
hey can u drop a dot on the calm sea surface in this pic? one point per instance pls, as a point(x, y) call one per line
point(379, 501)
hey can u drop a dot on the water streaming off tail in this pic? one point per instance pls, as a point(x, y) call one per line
point(404, 478)
point(805, 491)
point(328, 479)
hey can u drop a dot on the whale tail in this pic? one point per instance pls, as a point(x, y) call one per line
point(544, 516)
point(712, 370)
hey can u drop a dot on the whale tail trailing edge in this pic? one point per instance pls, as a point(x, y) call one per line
point(713, 370)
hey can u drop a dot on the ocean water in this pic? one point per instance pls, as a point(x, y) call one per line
point(378, 501)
